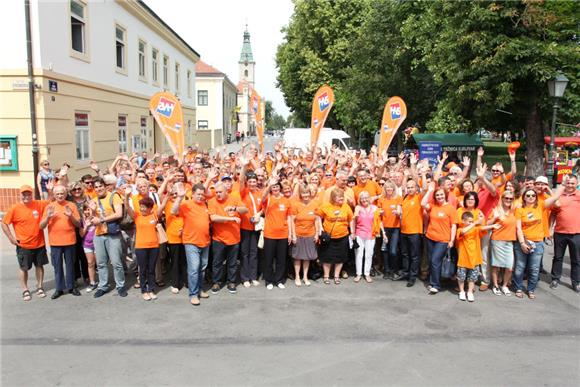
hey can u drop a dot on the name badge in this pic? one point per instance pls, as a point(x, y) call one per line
point(282, 207)
point(35, 213)
point(441, 214)
point(152, 221)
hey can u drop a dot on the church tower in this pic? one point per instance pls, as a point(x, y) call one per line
point(246, 62)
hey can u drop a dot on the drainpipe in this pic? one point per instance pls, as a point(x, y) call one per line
point(31, 99)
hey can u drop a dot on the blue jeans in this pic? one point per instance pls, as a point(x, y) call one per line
point(532, 261)
point(390, 257)
point(196, 265)
point(436, 251)
point(63, 281)
point(109, 248)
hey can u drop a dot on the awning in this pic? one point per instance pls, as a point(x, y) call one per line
point(559, 141)
point(451, 142)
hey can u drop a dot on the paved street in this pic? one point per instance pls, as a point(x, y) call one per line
point(352, 334)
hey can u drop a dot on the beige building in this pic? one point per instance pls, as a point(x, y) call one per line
point(216, 104)
point(94, 67)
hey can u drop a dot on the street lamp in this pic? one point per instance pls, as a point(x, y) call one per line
point(556, 88)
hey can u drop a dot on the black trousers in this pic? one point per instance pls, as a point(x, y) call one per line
point(223, 252)
point(249, 255)
point(410, 250)
point(80, 262)
point(275, 260)
point(561, 242)
point(146, 260)
point(177, 265)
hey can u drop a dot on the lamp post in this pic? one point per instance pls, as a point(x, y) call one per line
point(556, 88)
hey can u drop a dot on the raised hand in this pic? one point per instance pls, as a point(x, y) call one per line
point(180, 189)
point(466, 161)
point(128, 191)
point(67, 211)
point(480, 151)
point(94, 166)
point(50, 211)
point(413, 158)
point(481, 170)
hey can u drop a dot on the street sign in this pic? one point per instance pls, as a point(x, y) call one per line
point(430, 150)
point(53, 86)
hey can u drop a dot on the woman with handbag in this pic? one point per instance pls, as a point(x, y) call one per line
point(336, 216)
point(305, 227)
point(366, 224)
point(440, 232)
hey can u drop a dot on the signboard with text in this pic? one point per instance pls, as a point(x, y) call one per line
point(430, 150)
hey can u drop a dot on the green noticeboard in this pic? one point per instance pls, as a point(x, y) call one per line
point(8, 153)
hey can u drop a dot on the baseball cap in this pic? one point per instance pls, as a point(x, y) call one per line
point(542, 179)
point(26, 188)
point(226, 177)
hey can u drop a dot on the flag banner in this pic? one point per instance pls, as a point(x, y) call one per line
point(256, 110)
point(321, 105)
point(393, 116)
point(166, 110)
point(260, 126)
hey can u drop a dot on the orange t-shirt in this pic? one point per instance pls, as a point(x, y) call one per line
point(247, 200)
point(328, 182)
point(135, 202)
point(227, 233)
point(26, 222)
point(475, 212)
point(305, 217)
point(61, 230)
point(412, 218)
point(387, 206)
point(567, 210)
point(146, 231)
point(195, 223)
point(532, 224)
point(91, 193)
point(370, 186)
point(469, 247)
point(335, 219)
point(277, 212)
point(173, 224)
point(546, 212)
point(507, 231)
point(441, 218)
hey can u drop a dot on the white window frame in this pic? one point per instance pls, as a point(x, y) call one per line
point(121, 70)
point(155, 66)
point(206, 98)
point(142, 60)
point(165, 71)
point(85, 54)
point(122, 133)
point(204, 127)
point(177, 76)
point(85, 139)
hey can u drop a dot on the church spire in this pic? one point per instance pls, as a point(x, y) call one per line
point(246, 55)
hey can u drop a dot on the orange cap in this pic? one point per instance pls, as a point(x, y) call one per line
point(512, 147)
point(26, 188)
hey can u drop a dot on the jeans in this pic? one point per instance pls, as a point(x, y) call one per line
point(275, 255)
point(109, 248)
point(63, 281)
point(249, 255)
point(196, 265)
point(561, 241)
point(436, 251)
point(146, 259)
point(365, 250)
point(128, 250)
point(410, 250)
point(178, 265)
point(532, 261)
point(391, 261)
point(222, 251)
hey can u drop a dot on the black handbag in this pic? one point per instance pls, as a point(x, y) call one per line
point(448, 266)
point(325, 236)
point(113, 228)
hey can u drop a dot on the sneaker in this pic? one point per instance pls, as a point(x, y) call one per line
point(410, 283)
point(91, 287)
point(269, 286)
point(344, 274)
point(505, 290)
point(554, 284)
point(433, 290)
point(174, 290)
point(203, 294)
point(281, 286)
point(122, 292)
point(153, 295)
point(255, 282)
point(215, 289)
point(146, 296)
point(483, 287)
point(247, 284)
point(99, 293)
point(470, 297)
point(496, 291)
point(307, 282)
point(462, 296)
point(397, 277)
point(232, 289)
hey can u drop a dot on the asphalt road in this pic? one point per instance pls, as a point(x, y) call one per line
point(352, 334)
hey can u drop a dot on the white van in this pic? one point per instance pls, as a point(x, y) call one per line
point(300, 138)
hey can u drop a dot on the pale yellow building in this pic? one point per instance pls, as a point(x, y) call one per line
point(95, 65)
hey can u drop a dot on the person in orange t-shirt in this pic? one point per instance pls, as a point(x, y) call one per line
point(62, 218)
point(175, 251)
point(365, 184)
point(28, 238)
point(195, 237)
point(411, 231)
point(146, 243)
point(390, 205)
point(440, 232)
point(250, 227)
point(224, 212)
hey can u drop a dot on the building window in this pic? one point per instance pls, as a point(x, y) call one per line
point(202, 124)
point(246, 73)
point(202, 97)
point(82, 136)
point(188, 84)
point(78, 26)
point(154, 65)
point(142, 60)
point(165, 71)
point(176, 78)
point(122, 124)
point(143, 133)
point(120, 34)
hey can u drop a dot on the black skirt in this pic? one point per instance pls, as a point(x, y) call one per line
point(335, 251)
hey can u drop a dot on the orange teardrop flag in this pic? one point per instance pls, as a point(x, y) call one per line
point(321, 105)
point(166, 110)
point(393, 116)
point(256, 109)
point(513, 147)
point(261, 126)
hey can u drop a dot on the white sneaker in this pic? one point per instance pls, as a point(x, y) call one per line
point(281, 286)
point(433, 290)
point(470, 297)
point(505, 290)
point(462, 296)
point(247, 284)
point(269, 286)
point(255, 282)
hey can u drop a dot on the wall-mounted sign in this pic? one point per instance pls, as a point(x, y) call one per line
point(53, 86)
point(8, 153)
point(20, 84)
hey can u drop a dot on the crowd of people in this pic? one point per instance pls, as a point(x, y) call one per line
point(217, 222)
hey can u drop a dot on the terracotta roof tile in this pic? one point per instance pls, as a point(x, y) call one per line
point(203, 68)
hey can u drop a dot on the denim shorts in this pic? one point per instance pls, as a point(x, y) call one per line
point(470, 275)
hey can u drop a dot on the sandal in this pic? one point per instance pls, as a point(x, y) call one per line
point(531, 296)
point(368, 279)
point(26, 295)
point(336, 281)
point(326, 280)
point(40, 293)
point(519, 294)
point(136, 285)
point(357, 278)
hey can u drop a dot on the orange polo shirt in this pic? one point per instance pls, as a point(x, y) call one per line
point(247, 197)
point(146, 231)
point(26, 222)
point(305, 218)
point(387, 205)
point(335, 219)
point(173, 224)
point(276, 221)
point(61, 230)
point(412, 218)
point(567, 213)
point(532, 223)
point(441, 218)
point(227, 233)
point(370, 186)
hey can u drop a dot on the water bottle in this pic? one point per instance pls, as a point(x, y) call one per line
point(384, 245)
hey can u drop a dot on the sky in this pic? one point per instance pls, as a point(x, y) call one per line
point(215, 28)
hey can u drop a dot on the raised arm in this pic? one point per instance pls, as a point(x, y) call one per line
point(486, 183)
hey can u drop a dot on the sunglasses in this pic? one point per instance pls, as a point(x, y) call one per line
point(496, 170)
point(530, 195)
point(77, 189)
point(45, 164)
point(508, 199)
point(87, 182)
